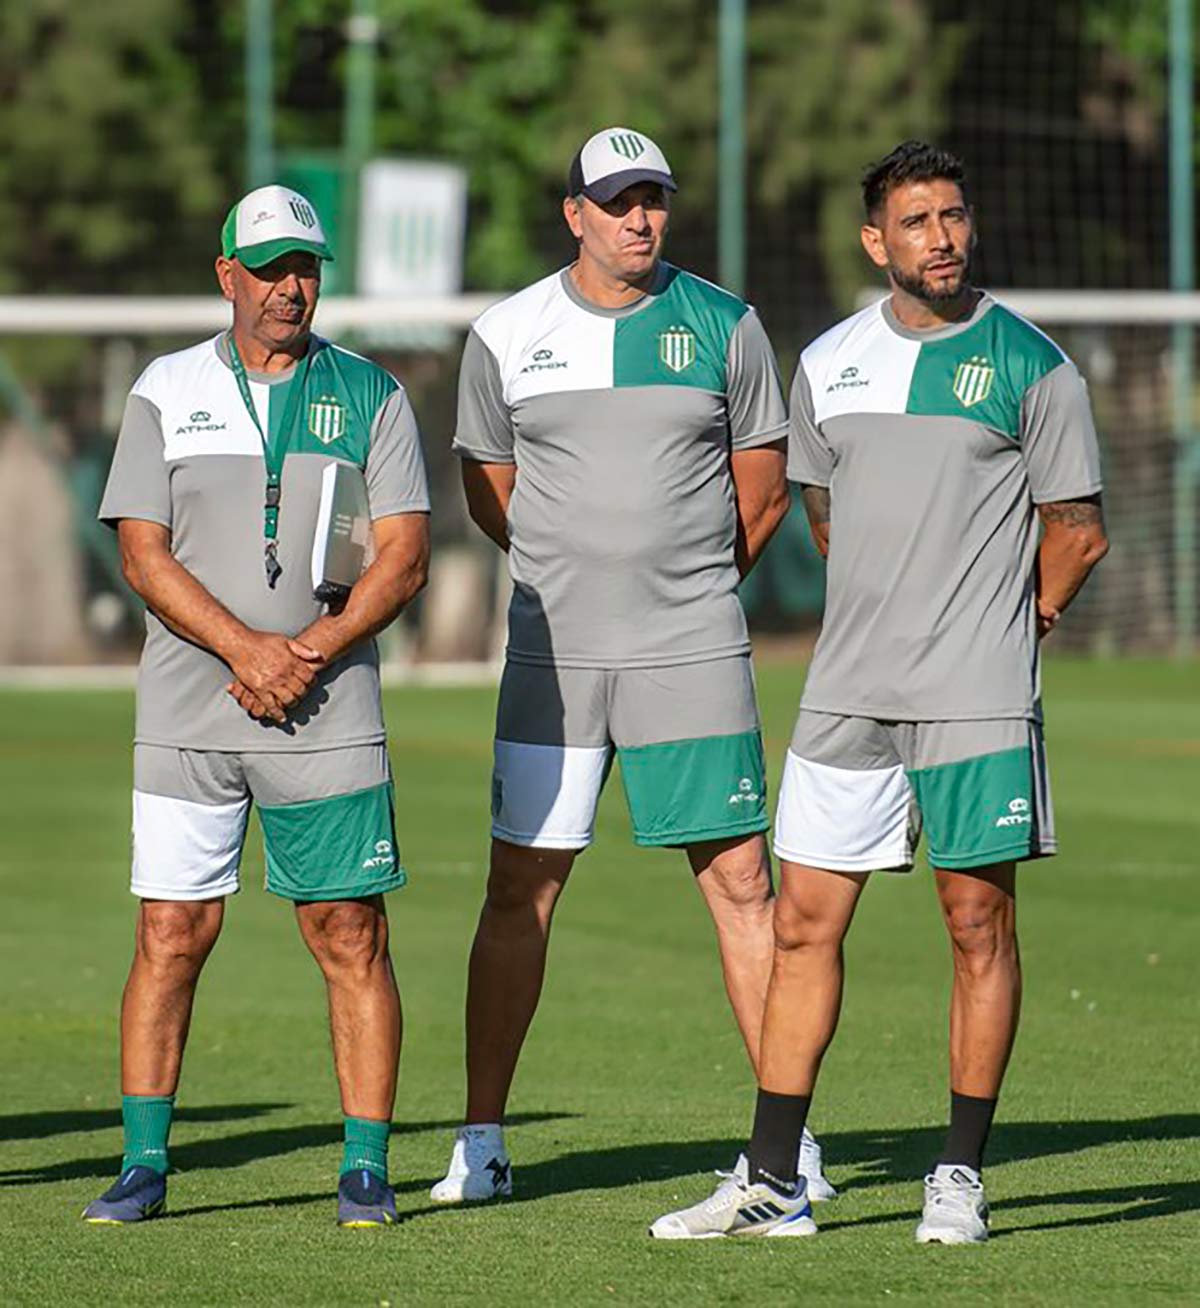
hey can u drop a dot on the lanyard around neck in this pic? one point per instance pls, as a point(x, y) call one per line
point(274, 451)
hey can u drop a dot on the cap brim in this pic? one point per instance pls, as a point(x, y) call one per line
point(255, 256)
point(607, 188)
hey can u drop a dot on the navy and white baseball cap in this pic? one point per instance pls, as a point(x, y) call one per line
point(614, 159)
point(269, 222)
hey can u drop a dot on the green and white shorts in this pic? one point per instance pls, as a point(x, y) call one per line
point(856, 791)
point(687, 737)
point(327, 819)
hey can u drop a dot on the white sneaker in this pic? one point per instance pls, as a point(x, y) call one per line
point(479, 1168)
point(738, 1208)
point(808, 1165)
point(956, 1210)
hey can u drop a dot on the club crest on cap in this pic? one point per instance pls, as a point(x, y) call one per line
point(627, 144)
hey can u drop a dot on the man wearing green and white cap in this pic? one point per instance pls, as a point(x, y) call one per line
point(621, 427)
point(251, 690)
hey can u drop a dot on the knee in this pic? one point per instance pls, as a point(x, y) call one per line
point(176, 938)
point(742, 885)
point(799, 926)
point(982, 933)
point(348, 939)
point(525, 886)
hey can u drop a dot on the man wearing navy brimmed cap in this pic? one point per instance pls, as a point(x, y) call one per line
point(621, 427)
point(251, 690)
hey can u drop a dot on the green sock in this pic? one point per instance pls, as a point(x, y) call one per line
point(147, 1120)
point(366, 1146)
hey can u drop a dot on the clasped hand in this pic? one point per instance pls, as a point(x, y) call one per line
point(272, 674)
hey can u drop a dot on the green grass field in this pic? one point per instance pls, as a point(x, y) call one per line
point(633, 1083)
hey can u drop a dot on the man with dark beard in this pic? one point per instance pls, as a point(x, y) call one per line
point(930, 433)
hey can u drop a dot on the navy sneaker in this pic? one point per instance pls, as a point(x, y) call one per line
point(365, 1200)
point(139, 1194)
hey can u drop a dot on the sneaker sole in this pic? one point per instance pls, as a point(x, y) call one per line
point(944, 1236)
point(364, 1224)
point(458, 1200)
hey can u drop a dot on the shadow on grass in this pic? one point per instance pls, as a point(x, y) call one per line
point(228, 1150)
point(66, 1121)
point(882, 1157)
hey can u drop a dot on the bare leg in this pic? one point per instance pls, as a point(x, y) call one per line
point(734, 877)
point(349, 940)
point(172, 942)
point(508, 961)
point(813, 912)
point(980, 909)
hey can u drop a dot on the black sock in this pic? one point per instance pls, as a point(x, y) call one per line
point(778, 1124)
point(970, 1122)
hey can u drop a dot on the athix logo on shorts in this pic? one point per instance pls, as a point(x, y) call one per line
point(677, 348)
point(1018, 814)
point(973, 381)
point(544, 361)
point(201, 420)
point(848, 380)
point(745, 794)
point(383, 856)
point(627, 144)
point(327, 419)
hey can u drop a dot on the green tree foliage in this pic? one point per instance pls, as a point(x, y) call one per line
point(102, 159)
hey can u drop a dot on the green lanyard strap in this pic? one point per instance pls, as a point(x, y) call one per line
point(274, 451)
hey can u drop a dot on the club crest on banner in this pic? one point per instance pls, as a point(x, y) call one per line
point(677, 348)
point(973, 381)
point(327, 419)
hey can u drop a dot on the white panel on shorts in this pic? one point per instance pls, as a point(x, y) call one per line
point(843, 819)
point(546, 795)
point(184, 850)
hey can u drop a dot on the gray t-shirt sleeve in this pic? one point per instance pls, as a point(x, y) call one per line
point(754, 395)
point(1058, 438)
point(810, 460)
point(484, 430)
point(395, 472)
point(138, 485)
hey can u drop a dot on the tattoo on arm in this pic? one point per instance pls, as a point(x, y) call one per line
point(816, 503)
point(1085, 512)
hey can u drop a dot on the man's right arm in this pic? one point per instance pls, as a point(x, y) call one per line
point(489, 487)
point(278, 672)
point(816, 505)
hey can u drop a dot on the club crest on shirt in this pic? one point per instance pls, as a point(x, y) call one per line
point(677, 348)
point(327, 419)
point(973, 381)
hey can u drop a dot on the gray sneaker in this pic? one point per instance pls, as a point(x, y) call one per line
point(808, 1164)
point(738, 1208)
point(956, 1210)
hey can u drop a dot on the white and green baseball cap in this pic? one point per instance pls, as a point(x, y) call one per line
point(269, 222)
point(616, 158)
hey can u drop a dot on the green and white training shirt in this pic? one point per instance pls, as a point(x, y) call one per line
point(935, 447)
point(190, 457)
point(621, 423)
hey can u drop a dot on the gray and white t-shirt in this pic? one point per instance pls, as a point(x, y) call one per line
point(190, 457)
point(935, 447)
point(621, 423)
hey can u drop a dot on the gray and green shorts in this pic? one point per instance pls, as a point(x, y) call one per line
point(856, 791)
point(687, 737)
point(327, 820)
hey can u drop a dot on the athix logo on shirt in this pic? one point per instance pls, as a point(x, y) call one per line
point(544, 361)
point(746, 794)
point(848, 380)
point(973, 381)
point(1018, 814)
point(677, 348)
point(201, 420)
point(383, 856)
